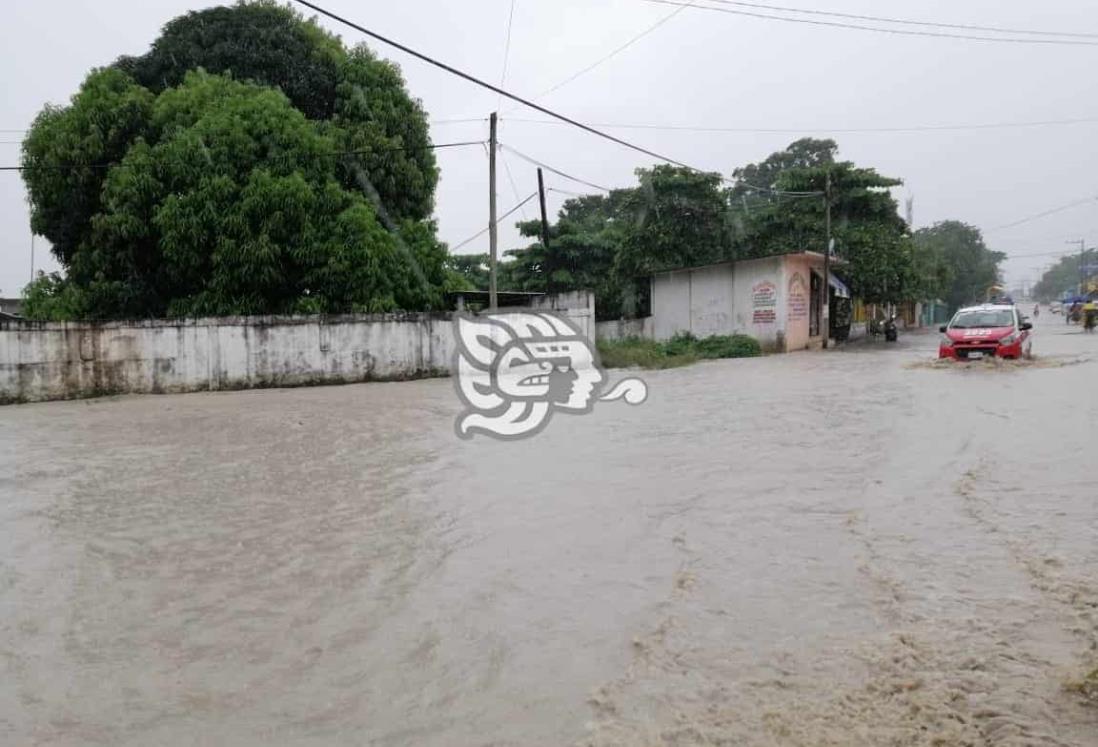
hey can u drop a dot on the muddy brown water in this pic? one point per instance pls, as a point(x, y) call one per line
point(851, 548)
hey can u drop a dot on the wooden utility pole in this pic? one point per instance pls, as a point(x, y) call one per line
point(544, 221)
point(825, 321)
point(493, 249)
point(544, 217)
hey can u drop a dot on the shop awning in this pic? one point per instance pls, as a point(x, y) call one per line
point(841, 291)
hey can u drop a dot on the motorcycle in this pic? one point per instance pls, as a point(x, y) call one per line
point(891, 331)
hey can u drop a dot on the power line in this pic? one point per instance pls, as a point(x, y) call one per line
point(506, 49)
point(566, 192)
point(905, 22)
point(824, 130)
point(484, 84)
point(358, 152)
point(1044, 214)
point(547, 167)
point(484, 230)
point(859, 27)
point(511, 179)
point(616, 51)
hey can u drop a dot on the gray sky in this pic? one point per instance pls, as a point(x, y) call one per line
point(700, 68)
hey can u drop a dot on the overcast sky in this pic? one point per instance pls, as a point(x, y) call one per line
point(698, 69)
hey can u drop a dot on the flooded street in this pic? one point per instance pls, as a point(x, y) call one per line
point(857, 547)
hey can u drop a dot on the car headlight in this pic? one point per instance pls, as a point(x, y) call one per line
point(946, 342)
point(1008, 340)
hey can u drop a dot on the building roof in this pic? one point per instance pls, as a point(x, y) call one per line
point(813, 255)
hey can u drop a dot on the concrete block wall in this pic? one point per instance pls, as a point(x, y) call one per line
point(66, 360)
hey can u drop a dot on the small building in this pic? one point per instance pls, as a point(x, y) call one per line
point(11, 307)
point(778, 300)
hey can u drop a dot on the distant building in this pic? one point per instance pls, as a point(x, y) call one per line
point(778, 300)
point(11, 306)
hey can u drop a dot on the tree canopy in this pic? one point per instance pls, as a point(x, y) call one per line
point(248, 163)
point(956, 265)
point(677, 217)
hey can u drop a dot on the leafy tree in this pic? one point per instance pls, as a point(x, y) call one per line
point(1064, 276)
point(583, 247)
point(468, 271)
point(65, 153)
point(165, 189)
point(676, 218)
point(869, 234)
point(362, 96)
point(229, 204)
point(963, 264)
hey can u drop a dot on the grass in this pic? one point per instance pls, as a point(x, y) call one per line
point(681, 350)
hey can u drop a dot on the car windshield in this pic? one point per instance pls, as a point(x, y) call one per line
point(990, 318)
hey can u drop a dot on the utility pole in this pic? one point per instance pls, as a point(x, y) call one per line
point(825, 322)
point(544, 221)
point(32, 256)
point(544, 218)
point(493, 249)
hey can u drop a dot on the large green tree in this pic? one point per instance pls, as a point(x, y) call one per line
point(363, 96)
point(583, 248)
point(229, 204)
point(1065, 277)
point(960, 264)
point(247, 163)
point(781, 205)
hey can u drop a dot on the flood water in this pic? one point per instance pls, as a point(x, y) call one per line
point(850, 548)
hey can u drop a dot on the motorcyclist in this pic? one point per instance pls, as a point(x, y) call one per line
point(1090, 315)
point(1036, 310)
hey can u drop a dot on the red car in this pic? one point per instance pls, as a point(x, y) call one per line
point(984, 332)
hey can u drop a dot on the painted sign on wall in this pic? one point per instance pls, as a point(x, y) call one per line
point(798, 297)
point(764, 302)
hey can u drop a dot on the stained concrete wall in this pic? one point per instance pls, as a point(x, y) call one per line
point(745, 297)
point(65, 360)
point(620, 329)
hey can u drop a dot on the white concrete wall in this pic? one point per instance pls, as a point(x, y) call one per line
point(719, 300)
point(619, 329)
point(711, 308)
point(670, 304)
point(47, 360)
point(749, 318)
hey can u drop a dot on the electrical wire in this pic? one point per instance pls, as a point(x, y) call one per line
point(506, 50)
point(511, 179)
point(484, 84)
point(1046, 213)
point(822, 130)
point(859, 27)
point(565, 192)
point(358, 152)
point(905, 22)
point(484, 230)
point(547, 167)
point(614, 52)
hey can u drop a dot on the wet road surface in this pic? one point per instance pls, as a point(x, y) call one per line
point(851, 548)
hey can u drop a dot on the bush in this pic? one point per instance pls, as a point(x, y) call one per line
point(728, 346)
point(682, 349)
point(636, 352)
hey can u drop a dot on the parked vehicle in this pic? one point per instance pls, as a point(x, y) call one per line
point(987, 331)
point(890, 330)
